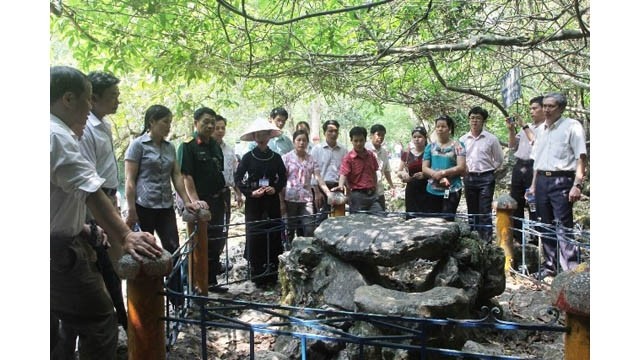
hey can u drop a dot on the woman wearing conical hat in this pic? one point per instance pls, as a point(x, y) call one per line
point(261, 176)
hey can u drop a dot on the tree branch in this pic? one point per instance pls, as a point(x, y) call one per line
point(473, 92)
point(518, 41)
point(308, 16)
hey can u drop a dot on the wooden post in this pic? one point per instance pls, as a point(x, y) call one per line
point(576, 342)
point(145, 331)
point(504, 206)
point(570, 292)
point(199, 257)
point(337, 200)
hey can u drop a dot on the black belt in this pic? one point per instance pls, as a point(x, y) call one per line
point(110, 192)
point(555, 173)
point(481, 173)
point(369, 191)
point(523, 161)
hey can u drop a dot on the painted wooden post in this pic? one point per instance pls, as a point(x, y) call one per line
point(199, 257)
point(570, 292)
point(504, 206)
point(145, 305)
point(337, 200)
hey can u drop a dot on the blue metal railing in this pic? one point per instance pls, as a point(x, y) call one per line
point(319, 324)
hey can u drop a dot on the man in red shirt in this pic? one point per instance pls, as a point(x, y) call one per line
point(358, 172)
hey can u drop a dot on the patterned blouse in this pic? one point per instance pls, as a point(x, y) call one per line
point(299, 175)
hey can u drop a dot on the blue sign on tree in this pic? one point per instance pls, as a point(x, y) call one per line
point(511, 87)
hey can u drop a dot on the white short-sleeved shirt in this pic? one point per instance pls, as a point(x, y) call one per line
point(96, 144)
point(382, 156)
point(329, 159)
point(484, 153)
point(558, 147)
point(72, 179)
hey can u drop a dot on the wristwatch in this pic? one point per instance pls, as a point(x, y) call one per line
point(579, 186)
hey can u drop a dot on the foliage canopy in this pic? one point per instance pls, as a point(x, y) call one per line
point(435, 56)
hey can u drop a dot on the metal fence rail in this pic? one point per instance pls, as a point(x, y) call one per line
point(304, 324)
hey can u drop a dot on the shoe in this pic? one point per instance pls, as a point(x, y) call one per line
point(542, 274)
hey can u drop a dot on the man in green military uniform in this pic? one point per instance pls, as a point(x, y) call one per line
point(201, 165)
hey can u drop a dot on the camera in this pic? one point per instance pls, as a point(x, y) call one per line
point(511, 119)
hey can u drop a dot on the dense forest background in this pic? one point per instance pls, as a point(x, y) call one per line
point(399, 63)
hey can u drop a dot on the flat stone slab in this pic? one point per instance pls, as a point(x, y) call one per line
point(387, 241)
point(439, 302)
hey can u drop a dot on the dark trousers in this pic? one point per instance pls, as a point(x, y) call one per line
point(264, 231)
point(216, 234)
point(447, 207)
point(521, 178)
point(163, 222)
point(415, 198)
point(80, 301)
point(363, 201)
point(299, 220)
point(478, 192)
point(552, 203)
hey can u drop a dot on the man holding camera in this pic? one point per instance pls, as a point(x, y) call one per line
point(522, 172)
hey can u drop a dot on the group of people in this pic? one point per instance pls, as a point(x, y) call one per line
point(550, 168)
point(279, 180)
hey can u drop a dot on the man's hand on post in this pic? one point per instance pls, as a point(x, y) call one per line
point(140, 244)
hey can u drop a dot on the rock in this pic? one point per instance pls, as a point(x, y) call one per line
point(570, 290)
point(439, 302)
point(200, 215)
point(269, 355)
point(128, 268)
point(387, 241)
point(494, 279)
point(312, 277)
point(504, 202)
point(485, 349)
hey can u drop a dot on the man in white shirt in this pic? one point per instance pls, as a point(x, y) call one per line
point(484, 156)
point(522, 173)
point(377, 134)
point(77, 291)
point(328, 154)
point(96, 143)
point(560, 158)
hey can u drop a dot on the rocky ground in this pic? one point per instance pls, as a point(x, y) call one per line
point(524, 301)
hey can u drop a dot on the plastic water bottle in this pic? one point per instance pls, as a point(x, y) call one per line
point(531, 200)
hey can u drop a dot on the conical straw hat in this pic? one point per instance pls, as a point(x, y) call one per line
point(260, 124)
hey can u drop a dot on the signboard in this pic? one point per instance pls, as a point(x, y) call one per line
point(511, 87)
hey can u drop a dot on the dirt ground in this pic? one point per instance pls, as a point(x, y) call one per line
point(523, 301)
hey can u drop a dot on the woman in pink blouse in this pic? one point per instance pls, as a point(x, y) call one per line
point(297, 200)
